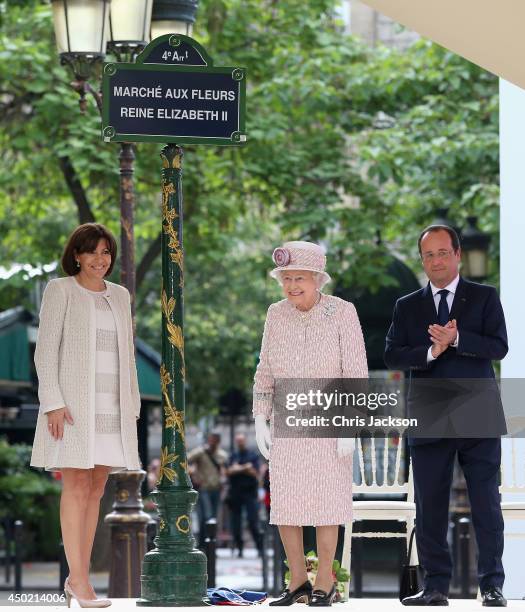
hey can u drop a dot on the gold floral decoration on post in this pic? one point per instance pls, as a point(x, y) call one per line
point(175, 335)
point(174, 417)
point(165, 471)
point(168, 216)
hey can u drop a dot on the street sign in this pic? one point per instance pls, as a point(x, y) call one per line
point(174, 94)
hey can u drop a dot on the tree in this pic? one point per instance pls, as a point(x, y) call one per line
point(345, 142)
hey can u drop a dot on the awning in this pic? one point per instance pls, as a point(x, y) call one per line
point(489, 33)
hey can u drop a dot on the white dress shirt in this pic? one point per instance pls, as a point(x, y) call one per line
point(451, 287)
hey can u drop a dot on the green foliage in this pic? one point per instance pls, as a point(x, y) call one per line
point(345, 144)
point(30, 497)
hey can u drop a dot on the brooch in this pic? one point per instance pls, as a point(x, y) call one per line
point(329, 310)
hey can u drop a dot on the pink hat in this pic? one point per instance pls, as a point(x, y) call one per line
point(300, 255)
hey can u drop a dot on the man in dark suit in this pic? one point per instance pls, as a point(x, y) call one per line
point(452, 328)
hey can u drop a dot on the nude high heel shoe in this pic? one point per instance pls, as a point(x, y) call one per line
point(83, 603)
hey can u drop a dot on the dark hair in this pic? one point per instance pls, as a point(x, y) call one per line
point(440, 228)
point(85, 240)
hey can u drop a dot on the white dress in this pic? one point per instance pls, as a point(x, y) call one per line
point(108, 438)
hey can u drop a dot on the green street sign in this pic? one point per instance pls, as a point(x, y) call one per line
point(174, 94)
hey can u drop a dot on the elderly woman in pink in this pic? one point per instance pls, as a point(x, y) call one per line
point(307, 335)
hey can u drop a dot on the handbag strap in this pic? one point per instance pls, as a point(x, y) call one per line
point(212, 459)
point(411, 541)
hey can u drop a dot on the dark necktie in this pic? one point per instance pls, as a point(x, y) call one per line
point(443, 312)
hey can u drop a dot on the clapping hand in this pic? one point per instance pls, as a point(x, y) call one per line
point(442, 336)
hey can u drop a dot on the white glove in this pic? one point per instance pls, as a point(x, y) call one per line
point(345, 447)
point(262, 435)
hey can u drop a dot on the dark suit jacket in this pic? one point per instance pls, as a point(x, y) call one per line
point(482, 338)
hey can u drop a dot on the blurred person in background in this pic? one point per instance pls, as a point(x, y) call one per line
point(243, 492)
point(153, 473)
point(207, 470)
point(266, 498)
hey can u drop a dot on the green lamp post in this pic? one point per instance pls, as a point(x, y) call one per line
point(174, 572)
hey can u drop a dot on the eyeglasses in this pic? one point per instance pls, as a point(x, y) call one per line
point(441, 254)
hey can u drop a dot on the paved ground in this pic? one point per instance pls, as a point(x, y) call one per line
point(42, 579)
point(232, 572)
point(354, 605)
point(245, 573)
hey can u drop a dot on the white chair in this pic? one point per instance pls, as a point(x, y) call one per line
point(379, 469)
point(512, 484)
point(513, 479)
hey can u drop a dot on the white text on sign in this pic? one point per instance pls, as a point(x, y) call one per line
point(132, 112)
point(218, 95)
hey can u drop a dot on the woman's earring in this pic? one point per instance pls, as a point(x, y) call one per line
point(78, 264)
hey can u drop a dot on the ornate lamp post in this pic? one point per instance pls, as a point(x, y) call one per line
point(83, 30)
point(174, 573)
point(81, 34)
point(129, 27)
point(475, 245)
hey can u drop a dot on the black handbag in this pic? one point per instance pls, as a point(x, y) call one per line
point(411, 575)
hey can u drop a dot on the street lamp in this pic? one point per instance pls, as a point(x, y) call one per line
point(82, 29)
point(475, 248)
point(129, 27)
point(173, 17)
point(81, 33)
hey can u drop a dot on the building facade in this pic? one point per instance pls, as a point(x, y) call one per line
point(373, 27)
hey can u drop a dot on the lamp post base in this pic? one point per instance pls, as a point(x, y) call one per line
point(175, 572)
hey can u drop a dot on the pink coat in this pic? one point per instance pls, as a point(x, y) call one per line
point(309, 483)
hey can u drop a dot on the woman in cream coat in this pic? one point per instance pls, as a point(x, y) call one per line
point(88, 392)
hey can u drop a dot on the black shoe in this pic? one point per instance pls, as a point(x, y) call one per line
point(428, 597)
point(321, 598)
point(288, 597)
point(493, 598)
